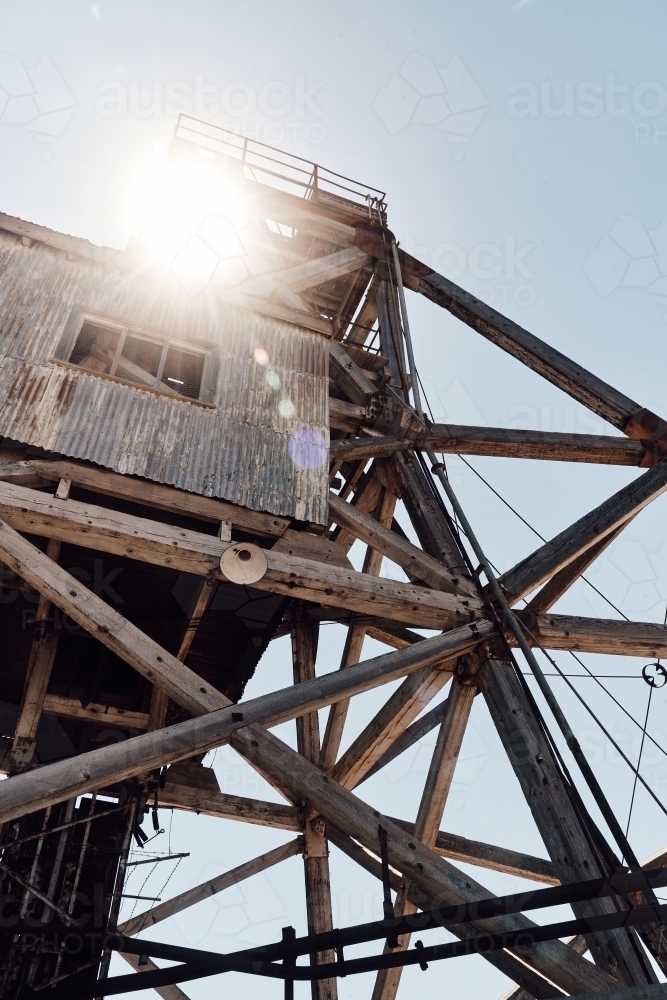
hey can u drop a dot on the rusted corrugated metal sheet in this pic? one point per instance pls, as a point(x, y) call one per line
point(243, 450)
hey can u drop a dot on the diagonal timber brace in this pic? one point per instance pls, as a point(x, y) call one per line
point(571, 543)
point(54, 783)
point(572, 852)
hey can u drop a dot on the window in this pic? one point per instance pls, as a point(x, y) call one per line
point(143, 359)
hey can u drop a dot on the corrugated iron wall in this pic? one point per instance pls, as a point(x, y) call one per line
point(244, 450)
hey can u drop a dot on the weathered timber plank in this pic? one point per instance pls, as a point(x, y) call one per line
point(305, 634)
point(554, 366)
point(561, 582)
point(571, 543)
point(596, 635)
point(333, 733)
point(370, 447)
point(71, 244)
point(408, 738)
point(312, 272)
point(109, 765)
point(392, 635)
point(394, 717)
point(501, 859)
point(357, 286)
point(209, 888)
point(109, 530)
point(157, 713)
point(290, 312)
point(430, 872)
point(38, 674)
point(157, 495)
point(297, 217)
point(434, 533)
point(107, 715)
point(367, 496)
point(432, 805)
point(354, 642)
point(360, 329)
point(308, 546)
point(502, 442)
point(226, 806)
point(349, 377)
point(406, 555)
point(558, 369)
point(40, 664)
point(332, 585)
point(344, 416)
point(543, 785)
point(195, 552)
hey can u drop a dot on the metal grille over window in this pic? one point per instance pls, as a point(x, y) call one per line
point(96, 348)
point(183, 372)
point(140, 359)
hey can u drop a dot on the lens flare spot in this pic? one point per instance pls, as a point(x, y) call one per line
point(286, 408)
point(261, 357)
point(273, 378)
point(308, 449)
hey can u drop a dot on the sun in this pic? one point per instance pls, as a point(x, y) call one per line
point(179, 200)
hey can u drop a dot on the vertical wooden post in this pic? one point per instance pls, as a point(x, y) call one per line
point(157, 713)
point(433, 801)
point(315, 848)
point(356, 634)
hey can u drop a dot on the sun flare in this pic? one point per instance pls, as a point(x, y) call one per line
point(189, 206)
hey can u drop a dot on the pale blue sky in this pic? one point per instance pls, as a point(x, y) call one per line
point(555, 218)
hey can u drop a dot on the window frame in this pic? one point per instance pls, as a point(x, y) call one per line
point(80, 316)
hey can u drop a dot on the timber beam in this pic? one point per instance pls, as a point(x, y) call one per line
point(349, 377)
point(431, 873)
point(594, 635)
point(544, 786)
point(209, 888)
point(505, 442)
point(500, 859)
point(110, 765)
point(432, 805)
point(352, 450)
point(207, 802)
point(501, 442)
point(194, 552)
point(558, 369)
point(149, 494)
point(277, 816)
point(620, 410)
point(356, 634)
point(415, 562)
point(53, 783)
point(401, 709)
point(561, 582)
point(571, 543)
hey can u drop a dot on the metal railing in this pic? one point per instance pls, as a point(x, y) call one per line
point(268, 165)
